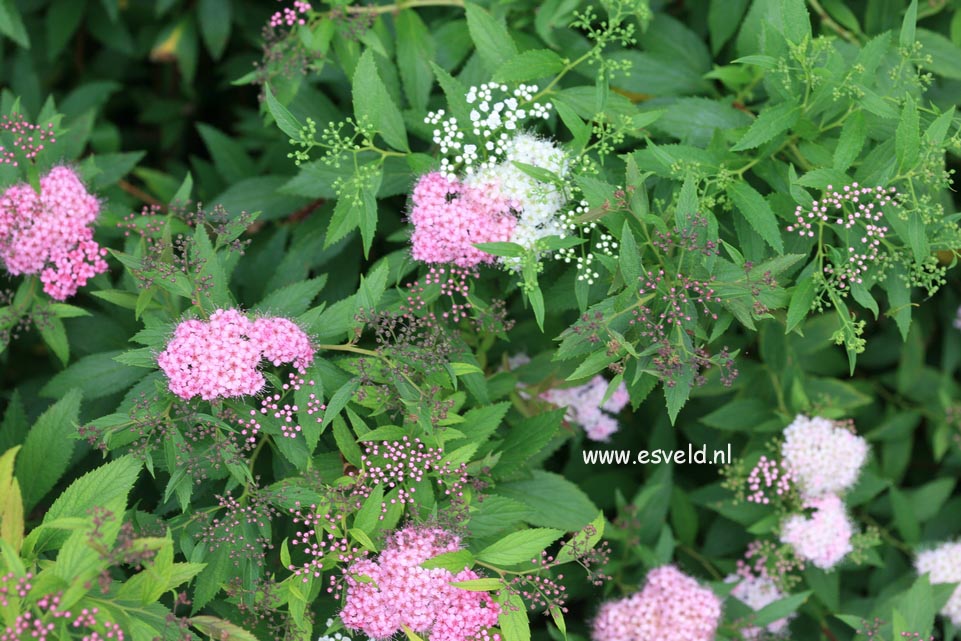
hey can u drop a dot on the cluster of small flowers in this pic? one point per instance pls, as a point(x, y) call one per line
point(28, 139)
point(449, 216)
point(943, 565)
point(400, 464)
point(393, 592)
point(767, 474)
point(866, 215)
point(823, 460)
point(219, 358)
point(40, 625)
point(494, 200)
point(319, 537)
point(50, 233)
point(757, 592)
point(454, 282)
point(244, 529)
point(671, 605)
point(824, 538)
point(586, 406)
point(493, 108)
point(823, 457)
point(271, 405)
point(290, 16)
point(680, 297)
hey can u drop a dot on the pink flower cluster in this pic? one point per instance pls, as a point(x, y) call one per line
point(290, 16)
point(219, 358)
point(39, 623)
point(449, 217)
point(824, 538)
point(393, 592)
point(767, 475)
point(584, 406)
point(50, 234)
point(28, 139)
point(671, 605)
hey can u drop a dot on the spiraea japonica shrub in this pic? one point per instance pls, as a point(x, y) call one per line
point(430, 320)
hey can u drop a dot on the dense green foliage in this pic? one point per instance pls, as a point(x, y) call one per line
point(270, 169)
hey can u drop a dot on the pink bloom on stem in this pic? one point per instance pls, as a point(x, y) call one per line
point(50, 233)
point(219, 358)
point(672, 605)
point(584, 406)
point(824, 538)
point(449, 217)
point(401, 593)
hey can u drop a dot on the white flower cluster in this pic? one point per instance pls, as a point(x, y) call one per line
point(495, 112)
point(943, 564)
point(823, 457)
point(536, 203)
point(757, 592)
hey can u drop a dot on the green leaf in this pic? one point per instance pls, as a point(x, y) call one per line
point(451, 561)
point(373, 104)
point(294, 299)
point(97, 375)
point(525, 439)
point(801, 300)
point(215, 19)
point(54, 334)
point(282, 116)
point(229, 156)
point(530, 65)
point(853, 137)
point(221, 630)
point(415, 50)
point(48, 448)
point(771, 122)
point(907, 139)
point(552, 501)
point(904, 517)
point(494, 44)
point(513, 621)
point(536, 296)
point(11, 24)
point(97, 487)
point(63, 17)
point(909, 25)
point(758, 213)
point(479, 585)
point(780, 609)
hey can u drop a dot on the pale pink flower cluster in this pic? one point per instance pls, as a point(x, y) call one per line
point(449, 217)
point(823, 458)
point(219, 358)
point(671, 606)
point(767, 475)
point(392, 592)
point(290, 16)
point(943, 565)
point(757, 592)
point(824, 538)
point(585, 407)
point(50, 233)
